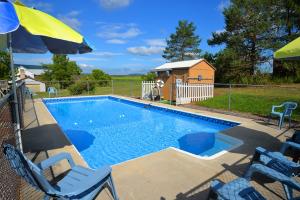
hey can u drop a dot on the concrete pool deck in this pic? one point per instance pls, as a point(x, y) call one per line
point(167, 174)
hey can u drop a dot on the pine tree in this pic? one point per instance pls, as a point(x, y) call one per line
point(183, 44)
point(254, 29)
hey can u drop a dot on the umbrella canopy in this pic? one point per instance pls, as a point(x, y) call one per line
point(291, 51)
point(34, 31)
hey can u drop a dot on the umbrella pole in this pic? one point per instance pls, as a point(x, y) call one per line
point(15, 99)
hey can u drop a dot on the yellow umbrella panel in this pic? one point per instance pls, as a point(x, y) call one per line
point(289, 51)
point(39, 23)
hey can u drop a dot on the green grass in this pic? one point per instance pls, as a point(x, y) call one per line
point(257, 101)
point(127, 77)
point(253, 100)
point(122, 85)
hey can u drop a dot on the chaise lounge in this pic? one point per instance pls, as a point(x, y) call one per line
point(78, 183)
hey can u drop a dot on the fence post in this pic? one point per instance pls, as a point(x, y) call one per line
point(229, 98)
point(112, 86)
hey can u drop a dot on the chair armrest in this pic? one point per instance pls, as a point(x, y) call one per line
point(273, 174)
point(286, 145)
point(273, 107)
point(100, 177)
point(55, 159)
point(258, 152)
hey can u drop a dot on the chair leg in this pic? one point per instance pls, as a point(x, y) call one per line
point(255, 157)
point(112, 187)
point(281, 122)
point(288, 192)
point(212, 195)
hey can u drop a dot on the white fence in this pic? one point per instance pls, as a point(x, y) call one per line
point(147, 87)
point(186, 93)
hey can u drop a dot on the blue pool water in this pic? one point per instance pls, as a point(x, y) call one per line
point(108, 130)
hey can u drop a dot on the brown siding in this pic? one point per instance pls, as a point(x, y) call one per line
point(189, 75)
point(203, 69)
point(170, 81)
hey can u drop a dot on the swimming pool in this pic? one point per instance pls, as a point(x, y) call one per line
point(110, 130)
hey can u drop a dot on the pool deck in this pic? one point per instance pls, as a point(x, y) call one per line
point(164, 175)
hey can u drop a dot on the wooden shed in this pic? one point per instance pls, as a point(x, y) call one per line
point(191, 71)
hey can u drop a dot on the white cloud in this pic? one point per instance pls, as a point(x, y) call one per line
point(114, 4)
point(82, 58)
point(145, 51)
point(220, 31)
point(118, 31)
point(129, 33)
point(116, 41)
point(32, 61)
point(85, 66)
point(153, 46)
point(105, 54)
point(156, 42)
point(223, 4)
point(71, 19)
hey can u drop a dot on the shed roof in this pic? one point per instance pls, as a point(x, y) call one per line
point(179, 64)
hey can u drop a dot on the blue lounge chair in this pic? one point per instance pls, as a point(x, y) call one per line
point(287, 112)
point(241, 189)
point(52, 90)
point(277, 160)
point(79, 183)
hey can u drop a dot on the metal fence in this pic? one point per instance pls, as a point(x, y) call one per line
point(9, 182)
point(241, 98)
point(130, 88)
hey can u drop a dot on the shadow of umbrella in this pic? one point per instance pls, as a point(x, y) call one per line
point(197, 143)
point(80, 139)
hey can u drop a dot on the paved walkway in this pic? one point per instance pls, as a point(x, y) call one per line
point(163, 175)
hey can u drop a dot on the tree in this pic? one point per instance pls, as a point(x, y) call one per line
point(183, 44)
point(4, 65)
point(62, 70)
point(245, 34)
point(287, 14)
point(254, 29)
point(150, 76)
point(101, 77)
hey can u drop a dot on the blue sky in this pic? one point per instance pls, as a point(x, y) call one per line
point(128, 36)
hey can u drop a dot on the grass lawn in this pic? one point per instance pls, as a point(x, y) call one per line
point(127, 77)
point(253, 100)
point(122, 85)
point(256, 101)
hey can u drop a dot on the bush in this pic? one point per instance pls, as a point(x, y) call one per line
point(101, 78)
point(150, 76)
point(81, 87)
point(257, 79)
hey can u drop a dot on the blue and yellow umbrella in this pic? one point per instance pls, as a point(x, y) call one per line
point(34, 31)
point(291, 51)
point(27, 30)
